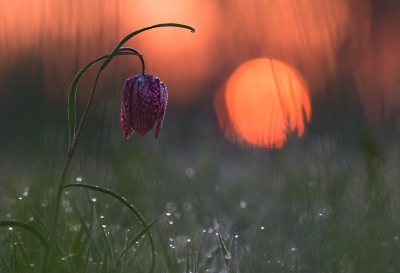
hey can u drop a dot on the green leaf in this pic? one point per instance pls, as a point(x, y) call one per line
point(87, 231)
point(72, 100)
point(104, 262)
point(225, 252)
point(187, 258)
point(127, 204)
point(105, 238)
point(303, 255)
point(85, 265)
point(140, 235)
point(130, 35)
point(23, 252)
point(17, 223)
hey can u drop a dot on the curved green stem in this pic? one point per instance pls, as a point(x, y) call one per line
point(74, 138)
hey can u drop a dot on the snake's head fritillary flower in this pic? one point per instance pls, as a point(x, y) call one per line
point(144, 101)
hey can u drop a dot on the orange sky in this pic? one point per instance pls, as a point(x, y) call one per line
point(322, 40)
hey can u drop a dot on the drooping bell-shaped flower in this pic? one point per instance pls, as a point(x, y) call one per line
point(144, 101)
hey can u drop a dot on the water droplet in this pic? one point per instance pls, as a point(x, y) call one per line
point(171, 239)
point(20, 198)
point(66, 192)
point(101, 216)
point(204, 230)
point(189, 172)
point(68, 209)
point(79, 179)
point(217, 233)
point(31, 219)
point(236, 235)
point(8, 215)
point(93, 199)
point(171, 222)
point(63, 258)
point(395, 238)
point(10, 228)
point(31, 265)
point(168, 213)
point(262, 227)
point(320, 214)
point(228, 256)
point(294, 249)
point(192, 30)
point(188, 240)
point(104, 226)
point(243, 204)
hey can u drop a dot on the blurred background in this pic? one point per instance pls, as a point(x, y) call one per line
point(285, 108)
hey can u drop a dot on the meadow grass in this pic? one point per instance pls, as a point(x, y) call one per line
point(191, 201)
point(269, 200)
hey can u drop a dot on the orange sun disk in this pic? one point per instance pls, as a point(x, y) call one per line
point(263, 101)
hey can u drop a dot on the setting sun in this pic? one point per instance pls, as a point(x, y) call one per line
point(263, 101)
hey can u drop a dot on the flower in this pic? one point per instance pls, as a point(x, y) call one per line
point(144, 101)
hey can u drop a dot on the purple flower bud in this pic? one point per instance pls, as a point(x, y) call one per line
point(144, 101)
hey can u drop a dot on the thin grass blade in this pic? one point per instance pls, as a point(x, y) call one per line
point(105, 238)
point(72, 99)
point(4, 264)
point(104, 262)
point(24, 255)
point(86, 262)
point(303, 255)
point(127, 204)
point(141, 233)
point(126, 250)
point(225, 252)
point(17, 223)
point(257, 239)
point(88, 232)
point(187, 258)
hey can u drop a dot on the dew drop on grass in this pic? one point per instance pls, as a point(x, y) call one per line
point(204, 230)
point(31, 219)
point(104, 226)
point(236, 235)
point(217, 233)
point(20, 198)
point(10, 228)
point(79, 179)
point(262, 227)
point(66, 192)
point(188, 240)
point(171, 222)
point(102, 216)
point(294, 249)
point(228, 256)
point(93, 199)
point(168, 213)
point(8, 215)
